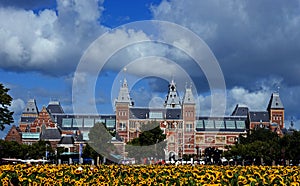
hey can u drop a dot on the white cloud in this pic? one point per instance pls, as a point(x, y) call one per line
point(254, 100)
point(48, 41)
point(17, 106)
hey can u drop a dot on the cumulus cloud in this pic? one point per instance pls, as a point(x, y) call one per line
point(48, 41)
point(257, 44)
point(254, 100)
point(249, 38)
point(17, 106)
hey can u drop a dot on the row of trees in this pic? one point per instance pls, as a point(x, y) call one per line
point(11, 149)
point(265, 147)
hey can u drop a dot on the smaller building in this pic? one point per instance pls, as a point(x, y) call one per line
point(53, 135)
point(14, 134)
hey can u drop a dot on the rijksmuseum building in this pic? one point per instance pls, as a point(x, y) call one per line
point(186, 133)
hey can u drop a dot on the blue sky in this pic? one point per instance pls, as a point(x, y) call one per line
point(256, 44)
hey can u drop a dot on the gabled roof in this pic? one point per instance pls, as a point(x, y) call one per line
point(275, 102)
point(240, 111)
point(259, 116)
point(54, 107)
point(51, 133)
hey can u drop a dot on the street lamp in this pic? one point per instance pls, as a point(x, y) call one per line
point(197, 150)
point(46, 153)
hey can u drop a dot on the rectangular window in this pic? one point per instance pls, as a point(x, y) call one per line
point(188, 127)
point(155, 115)
point(88, 122)
point(110, 123)
point(78, 122)
point(199, 124)
point(132, 125)
point(99, 120)
point(219, 124)
point(67, 122)
point(180, 125)
point(240, 125)
point(122, 126)
point(230, 124)
point(209, 124)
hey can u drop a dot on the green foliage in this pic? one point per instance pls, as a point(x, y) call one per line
point(100, 141)
point(150, 143)
point(11, 149)
point(264, 146)
point(89, 152)
point(5, 101)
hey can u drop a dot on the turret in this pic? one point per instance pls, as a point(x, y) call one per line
point(172, 99)
point(276, 110)
point(122, 105)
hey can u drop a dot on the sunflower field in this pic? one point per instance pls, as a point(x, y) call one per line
point(148, 175)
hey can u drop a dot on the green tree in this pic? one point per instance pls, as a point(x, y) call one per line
point(5, 101)
point(258, 146)
point(150, 143)
point(89, 152)
point(38, 150)
point(100, 139)
point(290, 149)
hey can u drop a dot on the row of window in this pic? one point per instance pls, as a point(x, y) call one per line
point(87, 122)
point(122, 113)
point(277, 117)
point(189, 113)
point(220, 124)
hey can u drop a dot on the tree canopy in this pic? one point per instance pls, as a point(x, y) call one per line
point(262, 146)
point(11, 149)
point(150, 143)
point(5, 101)
point(100, 140)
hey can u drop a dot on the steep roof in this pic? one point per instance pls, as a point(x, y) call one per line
point(51, 133)
point(124, 96)
point(55, 108)
point(188, 96)
point(172, 100)
point(31, 107)
point(275, 102)
point(259, 116)
point(240, 111)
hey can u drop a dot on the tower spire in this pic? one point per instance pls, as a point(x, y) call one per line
point(172, 99)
